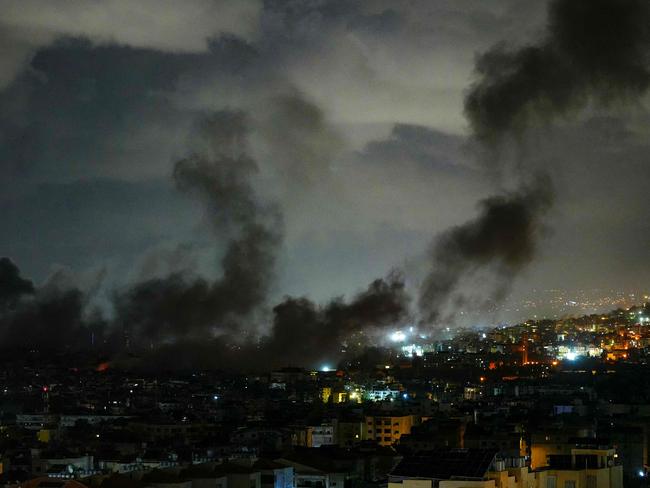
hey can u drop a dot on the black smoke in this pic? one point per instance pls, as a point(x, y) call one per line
point(52, 315)
point(219, 173)
point(12, 285)
point(593, 51)
point(502, 240)
point(305, 333)
point(302, 333)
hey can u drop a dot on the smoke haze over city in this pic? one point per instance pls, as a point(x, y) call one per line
point(266, 179)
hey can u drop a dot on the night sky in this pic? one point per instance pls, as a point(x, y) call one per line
point(308, 148)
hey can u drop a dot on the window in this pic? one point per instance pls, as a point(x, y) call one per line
point(570, 484)
point(386, 431)
point(388, 439)
point(550, 482)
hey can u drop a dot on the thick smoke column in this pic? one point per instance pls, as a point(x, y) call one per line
point(219, 173)
point(593, 50)
point(502, 239)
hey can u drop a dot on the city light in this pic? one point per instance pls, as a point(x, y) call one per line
point(325, 369)
point(571, 356)
point(398, 336)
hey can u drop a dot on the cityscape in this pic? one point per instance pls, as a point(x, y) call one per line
point(324, 244)
point(544, 399)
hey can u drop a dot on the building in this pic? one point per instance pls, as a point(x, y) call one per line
point(320, 435)
point(387, 430)
point(483, 468)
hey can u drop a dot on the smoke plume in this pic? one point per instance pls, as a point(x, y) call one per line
point(304, 333)
point(12, 285)
point(31, 316)
point(502, 239)
point(592, 51)
point(219, 174)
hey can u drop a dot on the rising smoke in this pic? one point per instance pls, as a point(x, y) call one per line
point(593, 51)
point(304, 333)
point(212, 322)
point(219, 173)
point(502, 240)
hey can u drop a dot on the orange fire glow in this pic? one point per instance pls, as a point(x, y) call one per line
point(103, 366)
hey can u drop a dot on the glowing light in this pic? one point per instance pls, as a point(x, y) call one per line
point(571, 356)
point(325, 369)
point(398, 336)
point(215, 397)
point(405, 396)
point(642, 473)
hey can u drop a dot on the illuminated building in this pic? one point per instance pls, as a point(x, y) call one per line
point(479, 468)
point(386, 430)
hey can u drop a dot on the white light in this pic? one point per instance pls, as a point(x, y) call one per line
point(571, 356)
point(398, 336)
point(411, 329)
point(325, 369)
point(215, 397)
point(405, 396)
point(483, 335)
point(641, 473)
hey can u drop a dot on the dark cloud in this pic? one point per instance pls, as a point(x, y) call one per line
point(302, 142)
point(593, 50)
point(430, 148)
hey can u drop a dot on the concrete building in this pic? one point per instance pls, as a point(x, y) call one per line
point(387, 430)
point(476, 468)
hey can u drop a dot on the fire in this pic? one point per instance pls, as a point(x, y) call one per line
point(103, 366)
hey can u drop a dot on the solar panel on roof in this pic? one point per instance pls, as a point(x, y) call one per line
point(446, 464)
